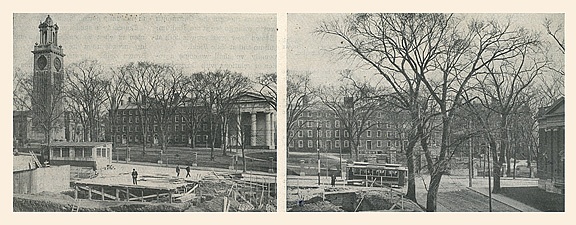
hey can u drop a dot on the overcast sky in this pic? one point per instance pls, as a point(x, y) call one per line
point(307, 51)
point(243, 43)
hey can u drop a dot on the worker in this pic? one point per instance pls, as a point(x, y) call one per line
point(134, 176)
point(178, 171)
point(188, 171)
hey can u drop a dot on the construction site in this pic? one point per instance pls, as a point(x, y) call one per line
point(158, 188)
point(304, 195)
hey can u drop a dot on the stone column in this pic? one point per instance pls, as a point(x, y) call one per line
point(253, 138)
point(268, 129)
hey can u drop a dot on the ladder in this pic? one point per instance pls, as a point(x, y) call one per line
point(35, 159)
point(76, 206)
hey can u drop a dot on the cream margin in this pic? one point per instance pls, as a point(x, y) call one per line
point(281, 8)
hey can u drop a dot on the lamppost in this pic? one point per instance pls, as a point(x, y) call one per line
point(318, 149)
point(489, 182)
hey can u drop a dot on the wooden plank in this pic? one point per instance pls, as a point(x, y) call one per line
point(148, 196)
point(97, 192)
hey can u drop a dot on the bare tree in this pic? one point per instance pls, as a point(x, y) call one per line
point(502, 87)
point(300, 96)
point(140, 80)
point(267, 89)
point(221, 90)
point(354, 103)
point(166, 98)
point(86, 90)
point(391, 44)
point(115, 91)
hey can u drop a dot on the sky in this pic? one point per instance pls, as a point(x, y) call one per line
point(308, 52)
point(244, 43)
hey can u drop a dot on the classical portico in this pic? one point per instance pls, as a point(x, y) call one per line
point(255, 123)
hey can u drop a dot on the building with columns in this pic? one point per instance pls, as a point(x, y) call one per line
point(551, 154)
point(254, 124)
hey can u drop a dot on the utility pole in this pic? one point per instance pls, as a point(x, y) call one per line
point(318, 149)
point(489, 182)
point(470, 161)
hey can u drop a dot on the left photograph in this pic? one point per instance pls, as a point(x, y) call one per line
point(144, 113)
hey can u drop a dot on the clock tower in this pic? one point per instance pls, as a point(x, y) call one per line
point(48, 81)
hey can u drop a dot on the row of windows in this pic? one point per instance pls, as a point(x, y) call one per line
point(137, 128)
point(328, 124)
point(328, 133)
point(136, 119)
point(346, 143)
point(179, 139)
point(79, 152)
point(332, 115)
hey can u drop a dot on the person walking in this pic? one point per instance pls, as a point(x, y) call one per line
point(188, 171)
point(134, 176)
point(178, 171)
point(333, 180)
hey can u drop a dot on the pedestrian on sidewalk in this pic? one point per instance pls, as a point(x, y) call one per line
point(333, 180)
point(188, 171)
point(134, 176)
point(178, 171)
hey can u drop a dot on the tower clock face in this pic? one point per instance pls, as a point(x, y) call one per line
point(57, 64)
point(41, 62)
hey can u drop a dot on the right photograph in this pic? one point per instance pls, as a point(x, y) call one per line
point(425, 112)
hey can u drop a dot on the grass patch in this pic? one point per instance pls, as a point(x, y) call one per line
point(536, 197)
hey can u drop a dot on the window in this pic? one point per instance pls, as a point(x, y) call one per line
point(378, 143)
point(346, 144)
point(176, 128)
point(137, 119)
point(310, 144)
point(378, 125)
point(309, 133)
point(387, 125)
point(388, 143)
point(369, 145)
point(319, 123)
point(328, 125)
point(182, 128)
point(129, 119)
point(309, 114)
point(300, 123)
point(337, 133)
point(328, 133)
point(176, 118)
point(337, 123)
point(337, 144)
point(129, 128)
point(300, 133)
point(390, 134)
point(310, 124)
point(378, 133)
point(319, 133)
point(300, 144)
point(397, 143)
point(123, 119)
point(346, 133)
point(291, 144)
point(368, 133)
point(123, 128)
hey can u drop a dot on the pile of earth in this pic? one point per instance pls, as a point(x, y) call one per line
point(349, 199)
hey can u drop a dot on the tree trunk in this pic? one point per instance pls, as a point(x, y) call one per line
point(496, 165)
point(431, 197)
point(411, 192)
point(224, 136)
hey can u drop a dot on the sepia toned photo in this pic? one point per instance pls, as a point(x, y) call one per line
point(403, 112)
point(117, 112)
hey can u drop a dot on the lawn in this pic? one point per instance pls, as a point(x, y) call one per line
point(536, 197)
point(201, 156)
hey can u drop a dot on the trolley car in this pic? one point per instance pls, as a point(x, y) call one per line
point(373, 174)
